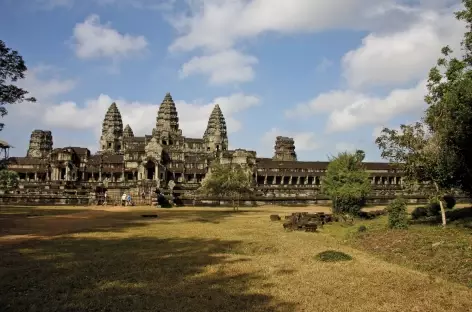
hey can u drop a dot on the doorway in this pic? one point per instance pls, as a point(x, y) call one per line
point(151, 170)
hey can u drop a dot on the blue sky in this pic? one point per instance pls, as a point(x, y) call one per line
point(328, 73)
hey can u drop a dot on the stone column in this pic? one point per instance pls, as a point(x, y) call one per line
point(290, 180)
point(282, 180)
point(298, 180)
point(36, 176)
point(265, 179)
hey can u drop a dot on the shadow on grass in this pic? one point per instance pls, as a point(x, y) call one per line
point(199, 216)
point(459, 216)
point(36, 211)
point(100, 221)
point(130, 274)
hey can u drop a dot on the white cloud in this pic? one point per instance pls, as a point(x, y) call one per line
point(349, 109)
point(304, 141)
point(405, 56)
point(228, 66)
point(215, 26)
point(218, 24)
point(95, 40)
point(398, 61)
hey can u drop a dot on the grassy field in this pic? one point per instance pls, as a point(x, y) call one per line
point(189, 259)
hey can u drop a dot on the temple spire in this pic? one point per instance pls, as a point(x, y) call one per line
point(167, 117)
point(128, 132)
point(216, 134)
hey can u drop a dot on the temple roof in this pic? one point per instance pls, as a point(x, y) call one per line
point(216, 123)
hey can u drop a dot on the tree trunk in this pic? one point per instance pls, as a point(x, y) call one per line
point(237, 203)
point(441, 204)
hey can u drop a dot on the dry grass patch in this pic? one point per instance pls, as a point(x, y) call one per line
point(445, 253)
point(238, 262)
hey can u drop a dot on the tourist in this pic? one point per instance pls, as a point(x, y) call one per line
point(105, 197)
point(128, 200)
point(123, 199)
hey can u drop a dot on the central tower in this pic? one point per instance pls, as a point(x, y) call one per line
point(167, 122)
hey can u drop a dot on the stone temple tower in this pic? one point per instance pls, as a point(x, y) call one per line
point(128, 132)
point(216, 134)
point(112, 131)
point(167, 122)
point(284, 149)
point(40, 145)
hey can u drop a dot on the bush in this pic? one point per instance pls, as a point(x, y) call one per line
point(434, 208)
point(397, 214)
point(8, 179)
point(348, 205)
point(419, 212)
point(362, 228)
point(450, 201)
point(333, 256)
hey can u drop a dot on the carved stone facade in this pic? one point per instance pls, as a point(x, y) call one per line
point(129, 161)
point(284, 149)
point(40, 144)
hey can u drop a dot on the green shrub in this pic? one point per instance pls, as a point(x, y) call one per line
point(333, 256)
point(419, 212)
point(8, 179)
point(348, 204)
point(450, 201)
point(362, 228)
point(434, 208)
point(397, 214)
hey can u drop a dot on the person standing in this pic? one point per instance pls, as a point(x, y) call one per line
point(123, 199)
point(105, 198)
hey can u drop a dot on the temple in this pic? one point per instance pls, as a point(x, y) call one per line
point(139, 163)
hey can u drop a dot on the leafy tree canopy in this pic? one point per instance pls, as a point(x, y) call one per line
point(227, 181)
point(12, 68)
point(449, 114)
point(347, 182)
point(418, 154)
point(8, 179)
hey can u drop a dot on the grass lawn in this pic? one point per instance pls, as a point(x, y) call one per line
point(189, 259)
point(445, 253)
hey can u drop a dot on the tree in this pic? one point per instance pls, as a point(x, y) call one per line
point(12, 68)
point(417, 153)
point(449, 114)
point(227, 181)
point(347, 182)
point(8, 179)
